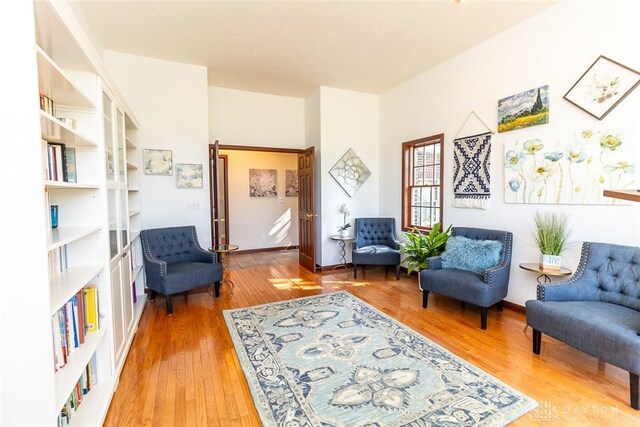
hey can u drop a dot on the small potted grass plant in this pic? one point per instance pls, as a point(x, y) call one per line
point(551, 236)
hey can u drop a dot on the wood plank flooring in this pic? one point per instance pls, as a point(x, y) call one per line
point(182, 370)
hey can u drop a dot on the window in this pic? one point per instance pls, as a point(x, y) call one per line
point(422, 163)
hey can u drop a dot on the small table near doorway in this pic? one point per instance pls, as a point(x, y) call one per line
point(343, 253)
point(544, 274)
point(223, 251)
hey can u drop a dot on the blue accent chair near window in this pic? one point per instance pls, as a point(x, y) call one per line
point(174, 262)
point(376, 243)
point(597, 310)
point(483, 288)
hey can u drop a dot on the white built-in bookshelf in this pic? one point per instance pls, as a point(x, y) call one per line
point(84, 292)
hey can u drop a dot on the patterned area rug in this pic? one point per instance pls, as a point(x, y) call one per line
point(333, 360)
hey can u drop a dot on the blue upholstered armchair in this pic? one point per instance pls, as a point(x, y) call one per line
point(376, 243)
point(483, 287)
point(597, 310)
point(174, 262)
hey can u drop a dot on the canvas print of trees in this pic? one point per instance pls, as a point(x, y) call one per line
point(525, 109)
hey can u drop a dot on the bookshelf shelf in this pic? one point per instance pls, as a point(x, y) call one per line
point(64, 235)
point(131, 166)
point(630, 195)
point(91, 409)
point(66, 284)
point(53, 130)
point(54, 84)
point(134, 235)
point(67, 376)
point(69, 185)
point(130, 144)
point(134, 213)
point(133, 190)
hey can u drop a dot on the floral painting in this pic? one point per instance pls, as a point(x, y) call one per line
point(291, 183)
point(603, 86)
point(350, 172)
point(576, 171)
point(263, 183)
point(528, 108)
point(188, 175)
point(158, 162)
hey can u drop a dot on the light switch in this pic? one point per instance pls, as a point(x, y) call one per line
point(193, 206)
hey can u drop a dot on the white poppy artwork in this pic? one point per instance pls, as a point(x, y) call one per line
point(263, 183)
point(188, 175)
point(350, 172)
point(158, 162)
point(575, 171)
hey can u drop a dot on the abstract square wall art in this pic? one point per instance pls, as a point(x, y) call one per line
point(350, 172)
point(528, 108)
point(158, 162)
point(188, 175)
point(263, 183)
point(291, 183)
point(603, 86)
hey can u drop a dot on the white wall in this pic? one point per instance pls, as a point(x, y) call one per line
point(555, 48)
point(239, 117)
point(347, 120)
point(257, 223)
point(170, 101)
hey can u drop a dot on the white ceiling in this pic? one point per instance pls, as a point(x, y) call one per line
point(292, 47)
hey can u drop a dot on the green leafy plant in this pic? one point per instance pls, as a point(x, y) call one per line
point(420, 246)
point(551, 232)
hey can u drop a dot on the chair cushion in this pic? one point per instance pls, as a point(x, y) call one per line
point(375, 255)
point(182, 276)
point(462, 285)
point(470, 254)
point(604, 330)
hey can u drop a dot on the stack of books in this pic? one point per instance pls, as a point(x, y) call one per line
point(60, 162)
point(83, 386)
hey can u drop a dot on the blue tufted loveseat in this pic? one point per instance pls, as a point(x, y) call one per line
point(376, 243)
point(482, 289)
point(597, 310)
point(174, 262)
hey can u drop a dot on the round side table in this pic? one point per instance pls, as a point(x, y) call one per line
point(544, 274)
point(343, 253)
point(223, 251)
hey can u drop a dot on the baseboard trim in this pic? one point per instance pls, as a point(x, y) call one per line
point(271, 249)
point(514, 307)
point(325, 268)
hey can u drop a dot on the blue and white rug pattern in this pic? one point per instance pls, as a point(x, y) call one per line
point(332, 360)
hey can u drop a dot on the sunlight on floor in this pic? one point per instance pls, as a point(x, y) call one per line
point(295, 283)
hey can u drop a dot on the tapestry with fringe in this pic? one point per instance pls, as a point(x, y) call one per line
point(472, 171)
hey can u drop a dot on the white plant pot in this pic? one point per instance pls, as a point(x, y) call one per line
point(550, 262)
point(344, 233)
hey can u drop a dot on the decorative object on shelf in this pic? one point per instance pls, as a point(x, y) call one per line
point(602, 87)
point(572, 172)
point(350, 172)
point(344, 228)
point(54, 216)
point(291, 183)
point(72, 174)
point(158, 162)
point(551, 236)
point(263, 183)
point(72, 123)
point(189, 175)
point(420, 246)
point(528, 108)
point(378, 368)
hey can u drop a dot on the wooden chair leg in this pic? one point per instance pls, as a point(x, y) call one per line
point(425, 299)
point(216, 289)
point(633, 390)
point(398, 272)
point(169, 305)
point(537, 341)
point(483, 317)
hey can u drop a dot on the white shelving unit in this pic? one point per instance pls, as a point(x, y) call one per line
point(46, 267)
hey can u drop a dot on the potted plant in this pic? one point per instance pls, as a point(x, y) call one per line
point(344, 228)
point(551, 235)
point(420, 246)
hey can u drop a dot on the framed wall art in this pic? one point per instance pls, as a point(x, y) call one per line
point(158, 162)
point(350, 172)
point(263, 183)
point(188, 175)
point(291, 183)
point(524, 109)
point(602, 87)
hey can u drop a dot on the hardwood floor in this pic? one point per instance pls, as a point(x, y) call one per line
point(182, 370)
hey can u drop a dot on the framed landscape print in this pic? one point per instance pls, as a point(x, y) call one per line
point(158, 162)
point(528, 108)
point(603, 86)
point(188, 175)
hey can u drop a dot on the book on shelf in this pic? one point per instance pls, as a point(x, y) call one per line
point(85, 383)
point(58, 261)
point(57, 169)
point(92, 308)
point(47, 105)
point(70, 156)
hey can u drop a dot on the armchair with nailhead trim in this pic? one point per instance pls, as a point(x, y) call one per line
point(483, 289)
point(376, 243)
point(597, 310)
point(174, 262)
